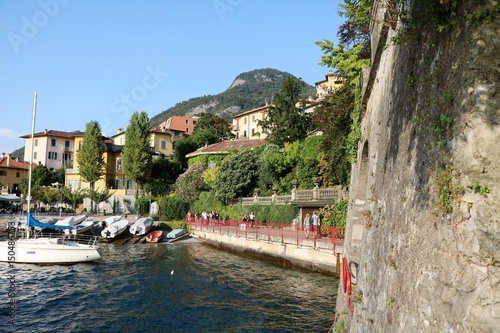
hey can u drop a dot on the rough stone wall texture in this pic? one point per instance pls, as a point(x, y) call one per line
point(417, 267)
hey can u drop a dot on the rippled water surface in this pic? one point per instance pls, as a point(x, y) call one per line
point(182, 287)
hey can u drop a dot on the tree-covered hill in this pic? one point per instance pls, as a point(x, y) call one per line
point(249, 90)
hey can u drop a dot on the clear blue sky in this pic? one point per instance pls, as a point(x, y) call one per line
point(103, 60)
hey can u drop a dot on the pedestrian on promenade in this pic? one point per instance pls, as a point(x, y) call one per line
point(315, 223)
point(307, 225)
point(251, 218)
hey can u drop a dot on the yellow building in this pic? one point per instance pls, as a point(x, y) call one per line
point(245, 124)
point(161, 141)
point(113, 178)
point(331, 83)
point(11, 172)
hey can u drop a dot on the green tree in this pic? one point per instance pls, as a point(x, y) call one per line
point(237, 176)
point(97, 196)
point(182, 147)
point(286, 120)
point(333, 118)
point(308, 165)
point(172, 207)
point(218, 128)
point(137, 150)
point(90, 158)
point(190, 184)
point(49, 195)
point(72, 198)
point(163, 175)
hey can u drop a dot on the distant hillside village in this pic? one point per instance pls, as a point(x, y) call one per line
point(57, 150)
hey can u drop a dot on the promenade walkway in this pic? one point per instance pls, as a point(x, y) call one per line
point(282, 241)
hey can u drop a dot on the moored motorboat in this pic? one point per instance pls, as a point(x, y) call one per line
point(71, 221)
point(154, 236)
point(176, 233)
point(80, 228)
point(114, 229)
point(141, 226)
point(107, 221)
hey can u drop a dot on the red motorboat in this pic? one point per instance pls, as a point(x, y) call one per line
point(154, 236)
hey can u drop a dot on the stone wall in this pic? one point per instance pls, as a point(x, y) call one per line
point(423, 233)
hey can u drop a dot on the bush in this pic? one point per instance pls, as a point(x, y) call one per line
point(172, 207)
point(334, 215)
point(176, 224)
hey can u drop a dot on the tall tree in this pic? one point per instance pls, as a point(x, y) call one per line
point(286, 120)
point(90, 157)
point(237, 175)
point(137, 150)
point(333, 117)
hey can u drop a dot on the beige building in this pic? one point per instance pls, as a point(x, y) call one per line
point(245, 124)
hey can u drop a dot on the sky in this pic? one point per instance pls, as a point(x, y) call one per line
point(102, 60)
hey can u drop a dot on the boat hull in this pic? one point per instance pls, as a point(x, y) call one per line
point(141, 226)
point(48, 251)
point(176, 233)
point(115, 229)
point(154, 236)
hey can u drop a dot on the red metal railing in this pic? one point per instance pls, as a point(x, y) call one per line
point(327, 237)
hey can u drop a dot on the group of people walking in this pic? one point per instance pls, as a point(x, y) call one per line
point(314, 220)
point(249, 218)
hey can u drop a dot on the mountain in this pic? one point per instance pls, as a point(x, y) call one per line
point(249, 90)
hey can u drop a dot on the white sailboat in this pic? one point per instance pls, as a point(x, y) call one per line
point(44, 250)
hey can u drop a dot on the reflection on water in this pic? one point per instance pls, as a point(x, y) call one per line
point(169, 288)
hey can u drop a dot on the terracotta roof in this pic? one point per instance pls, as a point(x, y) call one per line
point(14, 164)
point(224, 146)
point(53, 133)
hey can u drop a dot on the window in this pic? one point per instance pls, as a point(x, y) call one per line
point(253, 131)
point(74, 184)
point(244, 120)
point(129, 184)
point(36, 142)
point(163, 144)
point(187, 121)
point(53, 142)
point(119, 166)
point(253, 118)
point(66, 145)
point(17, 174)
point(52, 155)
point(3, 173)
point(118, 184)
point(34, 155)
point(244, 134)
point(187, 130)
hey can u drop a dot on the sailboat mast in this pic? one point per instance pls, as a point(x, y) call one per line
point(28, 198)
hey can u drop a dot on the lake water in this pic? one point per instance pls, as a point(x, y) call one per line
point(181, 287)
